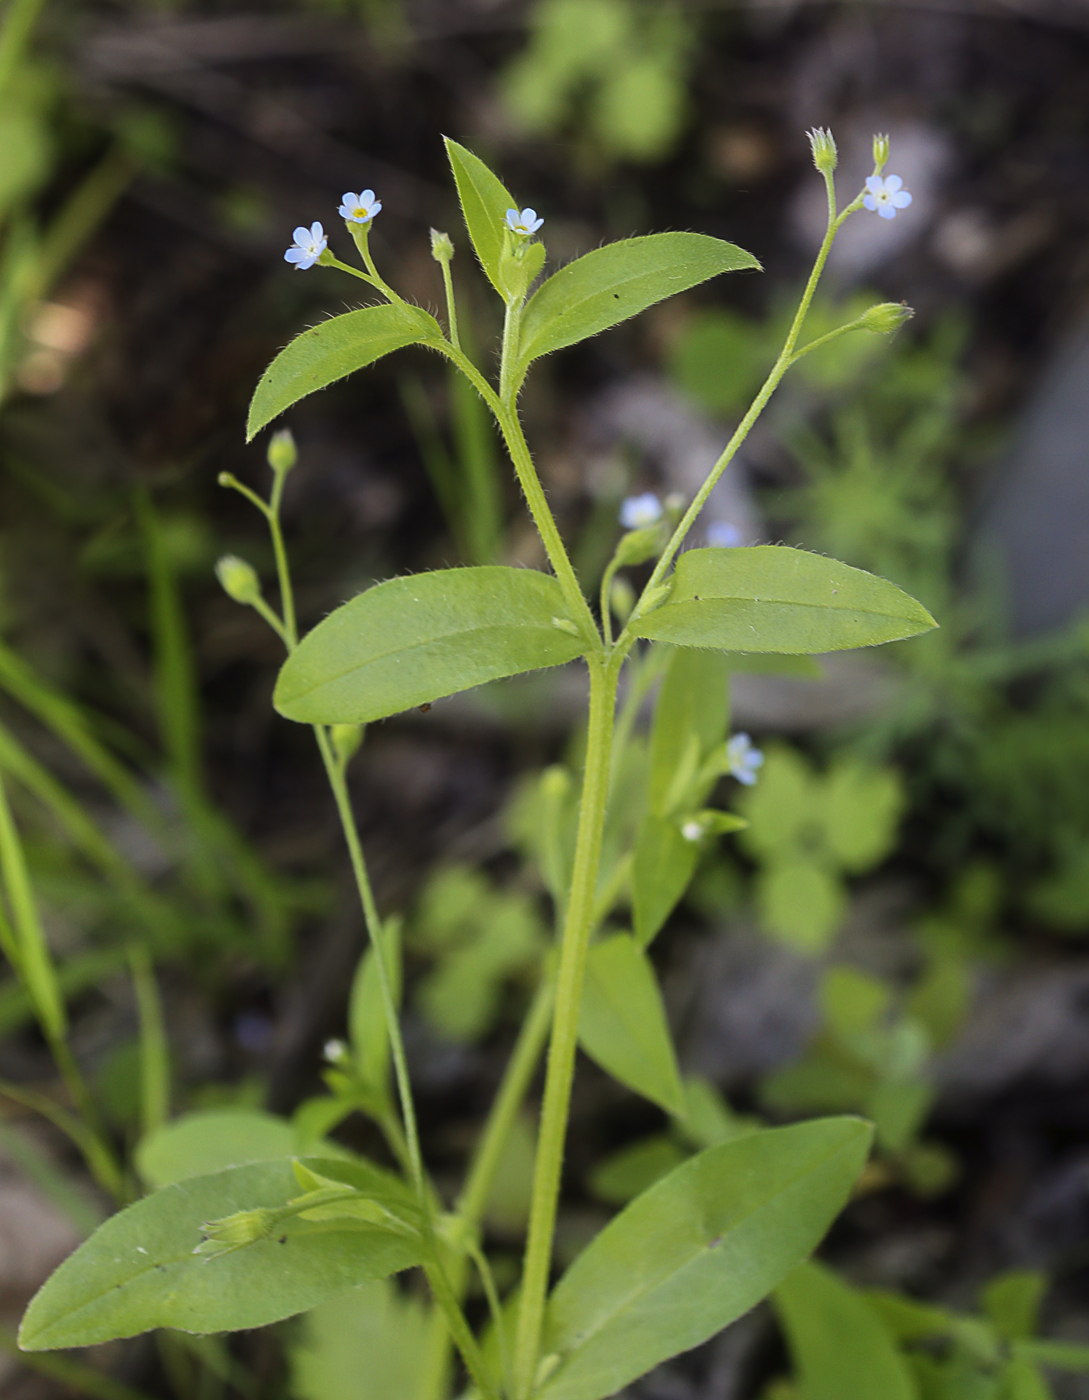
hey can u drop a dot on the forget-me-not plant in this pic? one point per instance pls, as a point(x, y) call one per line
point(308, 247)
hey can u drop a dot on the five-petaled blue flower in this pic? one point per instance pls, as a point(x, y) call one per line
point(524, 223)
point(359, 208)
point(309, 245)
point(723, 535)
point(885, 196)
point(744, 759)
point(637, 512)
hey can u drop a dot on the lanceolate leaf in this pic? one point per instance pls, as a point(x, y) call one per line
point(769, 598)
point(842, 1349)
point(623, 1023)
point(335, 348)
point(412, 640)
point(696, 1251)
point(693, 701)
point(661, 871)
point(198, 1144)
point(612, 283)
point(138, 1270)
point(484, 203)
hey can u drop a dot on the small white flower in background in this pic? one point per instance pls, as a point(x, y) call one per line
point(637, 512)
point(335, 1051)
point(744, 759)
point(723, 535)
point(359, 208)
point(692, 830)
point(524, 223)
point(885, 196)
point(309, 245)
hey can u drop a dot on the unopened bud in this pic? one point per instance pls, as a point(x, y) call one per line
point(239, 579)
point(886, 317)
point(621, 599)
point(880, 152)
point(346, 740)
point(825, 155)
point(442, 246)
point(282, 452)
point(235, 1231)
point(334, 1051)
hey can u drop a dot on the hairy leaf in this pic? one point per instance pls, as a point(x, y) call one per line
point(333, 349)
point(623, 1022)
point(841, 1347)
point(484, 204)
point(771, 598)
point(139, 1271)
point(663, 866)
point(609, 285)
point(413, 640)
point(696, 1251)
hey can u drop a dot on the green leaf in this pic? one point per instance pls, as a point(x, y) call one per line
point(662, 869)
point(366, 1013)
point(801, 902)
point(139, 1271)
point(484, 203)
point(693, 701)
point(605, 287)
point(862, 807)
point(198, 1144)
point(367, 1344)
point(841, 1348)
point(333, 349)
point(631, 1171)
point(623, 1023)
point(1021, 1380)
point(853, 1001)
point(769, 597)
point(1063, 1356)
point(696, 1251)
point(1012, 1302)
point(409, 641)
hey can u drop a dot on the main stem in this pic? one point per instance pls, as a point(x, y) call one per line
point(604, 674)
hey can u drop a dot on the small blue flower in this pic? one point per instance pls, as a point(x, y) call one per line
point(744, 759)
point(310, 243)
point(885, 195)
point(359, 208)
point(637, 512)
point(723, 535)
point(524, 223)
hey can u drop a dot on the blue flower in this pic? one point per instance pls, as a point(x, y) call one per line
point(359, 208)
point(524, 223)
point(637, 512)
point(310, 243)
point(744, 759)
point(722, 535)
point(886, 195)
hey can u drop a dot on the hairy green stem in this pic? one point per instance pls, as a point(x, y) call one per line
point(509, 1098)
point(451, 304)
point(604, 675)
point(782, 364)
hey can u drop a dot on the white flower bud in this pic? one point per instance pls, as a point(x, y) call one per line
point(239, 579)
point(346, 740)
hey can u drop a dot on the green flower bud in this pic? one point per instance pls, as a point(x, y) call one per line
point(235, 1231)
point(880, 152)
point(282, 452)
point(239, 579)
point(621, 599)
point(442, 246)
point(885, 317)
point(825, 155)
point(346, 740)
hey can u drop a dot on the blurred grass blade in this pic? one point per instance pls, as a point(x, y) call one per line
point(154, 1049)
point(35, 961)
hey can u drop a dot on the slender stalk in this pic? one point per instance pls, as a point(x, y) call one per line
point(511, 1094)
point(512, 327)
point(782, 364)
point(451, 304)
point(283, 573)
point(604, 675)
